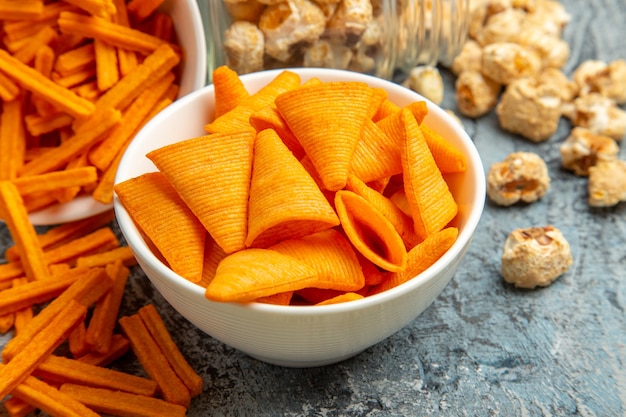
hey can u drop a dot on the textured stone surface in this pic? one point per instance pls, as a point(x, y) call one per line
point(483, 348)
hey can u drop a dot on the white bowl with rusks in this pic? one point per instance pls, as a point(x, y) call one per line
point(298, 335)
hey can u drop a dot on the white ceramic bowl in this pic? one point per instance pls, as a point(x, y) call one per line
point(190, 31)
point(289, 335)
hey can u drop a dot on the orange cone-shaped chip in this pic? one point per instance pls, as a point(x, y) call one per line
point(331, 255)
point(431, 202)
point(375, 156)
point(370, 232)
point(336, 110)
point(269, 118)
point(402, 223)
point(285, 201)
point(421, 257)
point(253, 273)
point(212, 175)
point(229, 90)
point(165, 219)
point(449, 159)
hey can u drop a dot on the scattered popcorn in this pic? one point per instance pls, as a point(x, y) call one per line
point(583, 149)
point(469, 58)
point(553, 50)
point(426, 80)
point(522, 176)
point(530, 109)
point(244, 45)
point(248, 10)
point(349, 22)
point(535, 257)
point(609, 80)
point(501, 27)
point(504, 62)
point(566, 88)
point(476, 94)
point(290, 26)
point(325, 54)
point(607, 183)
point(597, 113)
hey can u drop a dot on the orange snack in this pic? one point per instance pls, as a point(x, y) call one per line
point(114, 34)
point(229, 90)
point(90, 286)
point(127, 59)
point(23, 9)
point(112, 402)
point(34, 393)
point(332, 109)
point(238, 118)
point(40, 347)
point(448, 158)
point(42, 38)
point(12, 138)
point(8, 89)
point(141, 9)
point(154, 323)
point(75, 60)
point(123, 254)
point(400, 221)
point(422, 256)
point(154, 361)
point(107, 73)
point(342, 298)
point(55, 180)
point(429, 197)
point(37, 83)
point(63, 370)
point(89, 133)
point(104, 317)
point(253, 273)
point(277, 173)
point(23, 233)
point(218, 162)
point(76, 340)
point(370, 232)
point(169, 224)
point(269, 118)
point(376, 155)
point(33, 292)
point(331, 255)
point(100, 8)
point(118, 347)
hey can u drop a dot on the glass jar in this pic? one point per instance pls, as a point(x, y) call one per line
point(378, 37)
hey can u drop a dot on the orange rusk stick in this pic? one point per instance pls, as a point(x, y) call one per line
point(6, 322)
point(76, 340)
point(105, 312)
point(69, 252)
point(75, 60)
point(133, 118)
point(23, 316)
point(112, 33)
point(74, 79)
point(34, 393)
point(122, 403)
point(104, 190)
point(141, 9)
point(107, 73)
point(123, 254)
point(156, 327)
point(162, 26)
point(34, 292)
point(155, 66)
point(92, 284)
point(100, 8)
point(101, 239)
point(14, 29)
point(44, 62)
point(154, 361)
point(40, 347)
point(127, 59)
point(39, 124)
point(55, 180)
point(23, 9)
point(64, 370)
point(30, 79)
point(43, 37)
point(67, 232)
point(119, 346)
point(8, 89)
point(12, 139)
point(89, 133)
point(23, 232)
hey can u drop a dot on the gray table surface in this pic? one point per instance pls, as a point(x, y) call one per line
point(482, 348)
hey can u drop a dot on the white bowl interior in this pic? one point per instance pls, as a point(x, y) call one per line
point(288, 335)
point(189, 28)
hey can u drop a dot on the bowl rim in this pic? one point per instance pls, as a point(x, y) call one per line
point(141, 250)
